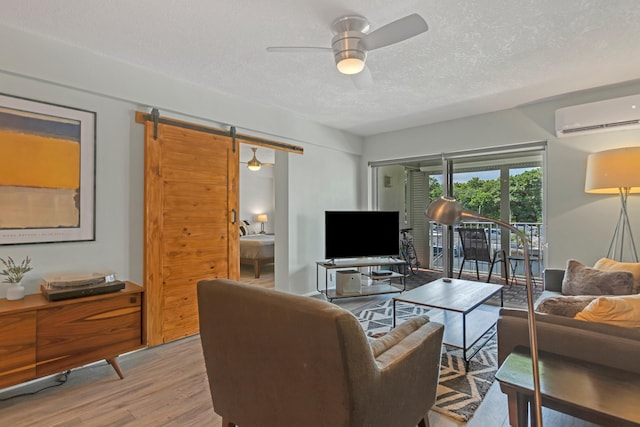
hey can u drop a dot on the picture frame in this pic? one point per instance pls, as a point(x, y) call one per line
point(47, 176)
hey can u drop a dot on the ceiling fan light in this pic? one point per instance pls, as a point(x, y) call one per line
point(350, 65)
point(254, 164)
point(349, 60)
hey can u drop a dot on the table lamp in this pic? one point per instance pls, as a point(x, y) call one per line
point(262, 218)
point(616, 172)
point(449, 211)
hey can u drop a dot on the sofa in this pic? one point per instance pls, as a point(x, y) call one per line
point(590, 341)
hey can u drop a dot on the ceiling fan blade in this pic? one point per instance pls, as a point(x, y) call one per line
point(363, 79)
point(394, 32)
point(305, 49)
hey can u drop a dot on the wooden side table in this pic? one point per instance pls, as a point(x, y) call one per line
point(594, 393)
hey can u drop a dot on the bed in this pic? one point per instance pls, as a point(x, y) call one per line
point(257, 250)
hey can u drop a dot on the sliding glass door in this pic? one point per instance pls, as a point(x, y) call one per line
point(503, 183)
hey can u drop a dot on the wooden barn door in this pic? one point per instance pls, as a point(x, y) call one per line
point(191, 204)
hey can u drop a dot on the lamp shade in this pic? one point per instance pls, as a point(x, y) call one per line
point(449, 211)
point(608, 171)
point(263, 218)
point(445, 210)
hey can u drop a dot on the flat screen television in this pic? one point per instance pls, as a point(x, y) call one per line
point(354, 234)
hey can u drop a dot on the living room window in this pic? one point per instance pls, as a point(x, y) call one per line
point(505, 183)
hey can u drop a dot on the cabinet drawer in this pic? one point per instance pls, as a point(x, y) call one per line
point(17, 348)
point(76, 334)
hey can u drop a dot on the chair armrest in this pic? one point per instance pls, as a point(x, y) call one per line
point(411, 336)
point(403, 376)
point(553, 279)
point(394, 337)
point(407, 371)
point(427, 338)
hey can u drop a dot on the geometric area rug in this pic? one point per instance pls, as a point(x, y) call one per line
point(459, 392)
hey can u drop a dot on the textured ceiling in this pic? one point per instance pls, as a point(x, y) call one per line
point(478, 56)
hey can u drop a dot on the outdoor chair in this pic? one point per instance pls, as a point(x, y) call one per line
point(276, 359)
point(475, 247)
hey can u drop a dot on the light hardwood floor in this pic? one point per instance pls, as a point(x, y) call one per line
point(167, 386)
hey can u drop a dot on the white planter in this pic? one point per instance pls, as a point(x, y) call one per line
point(15, 291)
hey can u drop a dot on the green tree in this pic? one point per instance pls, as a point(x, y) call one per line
point(525, 190)
point(435, 189)
point(483, 196)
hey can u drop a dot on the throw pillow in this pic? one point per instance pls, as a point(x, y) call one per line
point(248, 227)
point(582, 280)
point(243, 229)
point(620, 311)
point(567, 306)
point(607, 264)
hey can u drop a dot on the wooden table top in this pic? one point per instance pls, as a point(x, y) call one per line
point(37, 301)
point(457, 295)
point(575, 386)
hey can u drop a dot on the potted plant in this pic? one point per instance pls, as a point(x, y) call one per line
point(14, 274)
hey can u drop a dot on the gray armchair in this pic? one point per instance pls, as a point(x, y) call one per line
point(276, 359)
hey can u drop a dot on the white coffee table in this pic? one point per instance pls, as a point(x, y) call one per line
point(456, 304)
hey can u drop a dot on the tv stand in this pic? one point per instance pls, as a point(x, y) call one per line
point(371, 283)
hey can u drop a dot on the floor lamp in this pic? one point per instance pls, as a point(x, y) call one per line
point(616, 172)
point(449, 211)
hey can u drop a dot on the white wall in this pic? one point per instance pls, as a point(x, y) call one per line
point(323, 179)
point(579, 225)
point(257, 196)
point(391, 198)
point(42, 69)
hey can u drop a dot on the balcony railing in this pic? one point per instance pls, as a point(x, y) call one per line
point(533, 231)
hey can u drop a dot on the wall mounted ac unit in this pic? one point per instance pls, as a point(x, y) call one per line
point(600, 116)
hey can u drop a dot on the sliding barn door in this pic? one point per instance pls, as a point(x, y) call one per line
point(191, 203)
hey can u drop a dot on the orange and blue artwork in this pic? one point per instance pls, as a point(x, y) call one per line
point(40, 173)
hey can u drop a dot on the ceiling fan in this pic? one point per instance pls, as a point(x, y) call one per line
point(254, 164)
point(352, 40)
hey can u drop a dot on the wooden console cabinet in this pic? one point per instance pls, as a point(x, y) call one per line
point(39, 338)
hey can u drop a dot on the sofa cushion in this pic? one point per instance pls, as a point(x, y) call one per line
point(582, 280)
point(619, 310)
point(607, 264)
point(565, 305)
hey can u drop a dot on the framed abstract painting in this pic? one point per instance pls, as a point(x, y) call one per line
point(47, 172)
